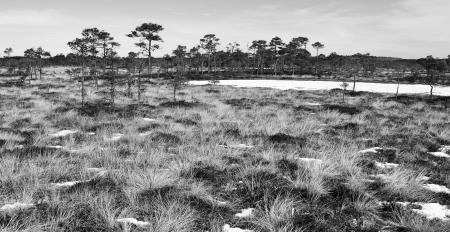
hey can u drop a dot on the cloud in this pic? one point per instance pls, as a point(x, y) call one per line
point(29, 17)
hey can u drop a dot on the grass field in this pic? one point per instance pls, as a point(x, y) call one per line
point(221, 158)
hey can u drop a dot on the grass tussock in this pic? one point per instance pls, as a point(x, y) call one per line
point(191, 165)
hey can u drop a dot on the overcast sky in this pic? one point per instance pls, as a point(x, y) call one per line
point(397, 28)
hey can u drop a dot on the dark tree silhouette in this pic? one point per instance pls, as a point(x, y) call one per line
point(147, 33)
point(260, 46)
point(30, 54)
point(41, 54)
point(276, 44)
point(130, 63)
point(209, 43)
point(178, 77)
point(7, 53)
point(317, 46)
point(81, 48)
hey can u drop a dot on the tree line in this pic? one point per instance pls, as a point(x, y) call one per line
point(94, 52)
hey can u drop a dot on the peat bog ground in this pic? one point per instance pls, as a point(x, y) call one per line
point(221, 159)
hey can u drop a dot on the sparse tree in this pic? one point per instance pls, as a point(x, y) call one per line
point(104, 40)
point(295, 51)
point(130, 62)
point(317, 46)
point(91, 35)
point(178, 78)
point(195, 58)
point(431, 65)
point(112, 55)
point(41, 54)
point(81, 48)
point(147, 33)
point(232, 47)
point(276, 44)
point(30, 54)
point(7, 53)
point(260, 46)
point(209, 43)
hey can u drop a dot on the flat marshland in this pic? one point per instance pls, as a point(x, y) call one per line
point(221, 158)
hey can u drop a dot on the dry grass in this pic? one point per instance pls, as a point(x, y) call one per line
point(178, 178)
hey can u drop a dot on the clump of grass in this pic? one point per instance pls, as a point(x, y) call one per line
point(257, 181)
point(312, 179)
point(404, 184)
point(407, 220)
point(277, 215)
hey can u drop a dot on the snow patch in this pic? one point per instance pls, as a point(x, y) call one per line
point(437, 188)
point(238, 146)
point(145, 134)
point(312, 104)
point(10, 208)
point(55, 147)
point(430, 210)
point(115, 137)
point(228, 228)
point(329, 85)
point(445, 149)
point(245, 213)
point(371, 150)
point(149, 120)
point(133, 221)
point(65, 184)
point(440, 154)
point(64, 133)
point(386, 165)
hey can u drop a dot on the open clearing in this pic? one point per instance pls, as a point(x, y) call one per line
point(222, 159)
point(329, 85)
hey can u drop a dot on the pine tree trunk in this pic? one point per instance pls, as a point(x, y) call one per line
point(209, 63)
point(139, 87)
point(149, 69)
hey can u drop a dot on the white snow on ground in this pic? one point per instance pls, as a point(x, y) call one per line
point(430, 210)
point(445, 149)
point(371, 150)
point(328, 85)
point(238, 146)
point(386, 165)
point(425, 178)
point(228, 228)
point(245, 213)
point(221, 203)
point(90, 133)
point(66, 184)
point(380, 176)
point(149, 119)
point(9, 208)
point(310, 160)
point(64, 133)
point(145, 134)
point(437, 188)
point(312, 104)
point(440, 154)
point(133, 221)
point(115, 137)
point(55, 147)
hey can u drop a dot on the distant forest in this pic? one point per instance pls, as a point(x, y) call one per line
point(95, 52)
